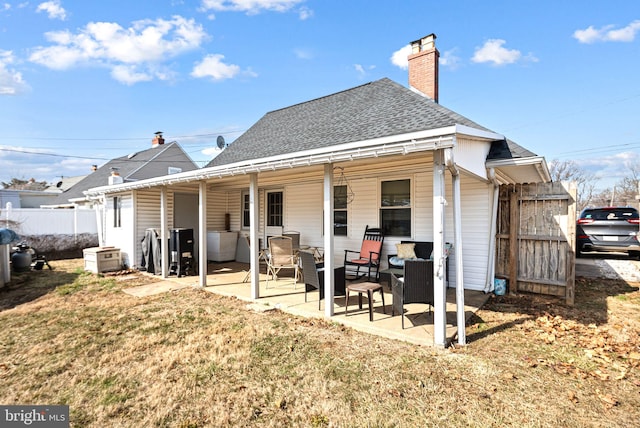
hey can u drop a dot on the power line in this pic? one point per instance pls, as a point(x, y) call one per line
point(208, 135)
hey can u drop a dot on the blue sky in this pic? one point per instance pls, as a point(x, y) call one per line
point(85, 81)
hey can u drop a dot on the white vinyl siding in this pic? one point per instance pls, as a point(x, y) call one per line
point(121, 237)
point(148, 216)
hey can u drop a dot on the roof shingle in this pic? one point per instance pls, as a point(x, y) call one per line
point(377, 109)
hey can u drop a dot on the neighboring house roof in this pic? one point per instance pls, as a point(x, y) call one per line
point(377, 109)
point(64, 184)
point(150, 163)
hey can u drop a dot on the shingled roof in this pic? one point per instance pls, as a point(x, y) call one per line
point(377, 109)
point(153, 162)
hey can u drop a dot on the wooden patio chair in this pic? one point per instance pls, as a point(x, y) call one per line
point(416, 286)
point(281, 256)
point(368, 258)
point(313, 276)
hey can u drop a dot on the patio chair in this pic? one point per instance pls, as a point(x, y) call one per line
point(281, 256)
point(295, 238)
point(368, 258)
point(416, 286)
point(313, 276)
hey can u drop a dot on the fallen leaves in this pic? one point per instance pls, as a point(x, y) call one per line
point(611, 351)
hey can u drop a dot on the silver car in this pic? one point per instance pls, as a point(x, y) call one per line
point(608, 229)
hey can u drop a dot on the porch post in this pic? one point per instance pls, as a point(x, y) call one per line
point(164, 228)
point(202, 233)
point(253, 235)
point(329, 264)
point(457, 251)
point(439, 290)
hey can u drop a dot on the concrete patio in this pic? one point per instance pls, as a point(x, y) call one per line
point(227, 279)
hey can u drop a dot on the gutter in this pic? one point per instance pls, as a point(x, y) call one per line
point(348, 152)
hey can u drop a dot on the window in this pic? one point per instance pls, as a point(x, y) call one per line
point(246, 215)
point(340, 210)
point(275, 209)
point(117, 211)
point(395, 207)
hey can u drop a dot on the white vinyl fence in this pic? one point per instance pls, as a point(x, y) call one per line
point(39, 221)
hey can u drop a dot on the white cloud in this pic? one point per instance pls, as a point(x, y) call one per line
point(129, 75)
point(11, 81)
point(5, 6)
point(608, 33)
point(362, 70)
point(302, 53)
point(252, 7)
point(493, 51)
point(213, 67)
point(53, 9)
point(305, 13)
point(450, 60)
point(399, 57)
point(145, 44)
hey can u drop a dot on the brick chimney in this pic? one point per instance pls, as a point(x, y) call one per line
point(423, 66)
point(158, 140)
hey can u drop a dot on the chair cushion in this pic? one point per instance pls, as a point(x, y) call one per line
point(397, 261)
point(369, 246)
point(406, 251)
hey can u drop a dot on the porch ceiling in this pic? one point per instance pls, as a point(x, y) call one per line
point(521, 170)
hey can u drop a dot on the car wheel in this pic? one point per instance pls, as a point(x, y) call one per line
point(634, 255)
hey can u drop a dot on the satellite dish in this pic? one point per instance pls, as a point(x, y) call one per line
point(220, 142)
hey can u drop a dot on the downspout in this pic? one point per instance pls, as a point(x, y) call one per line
point(491, 262)
point(457, 246)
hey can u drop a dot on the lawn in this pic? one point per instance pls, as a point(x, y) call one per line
point(190, 358)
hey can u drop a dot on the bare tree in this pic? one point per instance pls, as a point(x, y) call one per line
point(627, 188)
point(18, 184)
point(571, 171)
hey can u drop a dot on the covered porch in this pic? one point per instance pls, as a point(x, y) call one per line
point(228, 279)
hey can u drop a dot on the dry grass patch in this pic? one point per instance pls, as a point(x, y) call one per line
point(189, 358)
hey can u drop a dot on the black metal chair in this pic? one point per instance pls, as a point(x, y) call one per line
point(313, 276)
point(416, 286)
point(369, 255)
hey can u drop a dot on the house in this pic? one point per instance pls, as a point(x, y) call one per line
point(33, 194)
point(161, 159)
point(413, 167)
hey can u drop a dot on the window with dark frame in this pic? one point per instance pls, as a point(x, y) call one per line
point(395, 207)
point(117, 211)
point(275, 208)
point(246, 214)
point(340, 210)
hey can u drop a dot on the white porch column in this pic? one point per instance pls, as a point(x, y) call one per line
point(202, 233)
point(253, 235)
point(439, 286)
point(164, 232)
point(329, 263)
point(457, 248)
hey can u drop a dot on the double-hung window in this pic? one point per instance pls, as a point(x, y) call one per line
point(395, 207)
point(117, 211)
point(246, 214)
point(340, 210)
point(275, 208)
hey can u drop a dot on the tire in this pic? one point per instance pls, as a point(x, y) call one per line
point(634, 255)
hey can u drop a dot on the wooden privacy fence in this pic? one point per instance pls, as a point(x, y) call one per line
point(535, 240)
